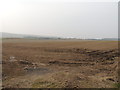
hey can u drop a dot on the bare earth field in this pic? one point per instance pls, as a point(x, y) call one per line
point(59, 63)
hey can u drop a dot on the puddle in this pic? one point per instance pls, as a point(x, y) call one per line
point(39, 71)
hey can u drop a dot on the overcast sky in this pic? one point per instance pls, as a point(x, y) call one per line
point(63, 18)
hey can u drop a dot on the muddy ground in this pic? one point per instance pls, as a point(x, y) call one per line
point(59, 64)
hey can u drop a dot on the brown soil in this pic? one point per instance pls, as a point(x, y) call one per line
point(59, 64)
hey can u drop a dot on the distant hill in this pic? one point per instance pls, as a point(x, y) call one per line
point(11, 35)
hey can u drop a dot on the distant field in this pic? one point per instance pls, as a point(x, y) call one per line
point(59, 63)
point(65, 43)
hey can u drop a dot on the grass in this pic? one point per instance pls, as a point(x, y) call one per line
point(40, 83)
point(50, 81)
point(117, 85)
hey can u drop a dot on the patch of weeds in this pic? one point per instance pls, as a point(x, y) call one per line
point(117, 85)
point(44, 84)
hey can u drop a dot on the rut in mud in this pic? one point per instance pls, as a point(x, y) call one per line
point(92, 56)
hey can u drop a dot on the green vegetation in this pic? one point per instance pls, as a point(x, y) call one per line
point(117, 85)
point(42, 84)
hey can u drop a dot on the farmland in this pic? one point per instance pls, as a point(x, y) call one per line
point(59, 63)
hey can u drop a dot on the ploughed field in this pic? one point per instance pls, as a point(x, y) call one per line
point(59, 63)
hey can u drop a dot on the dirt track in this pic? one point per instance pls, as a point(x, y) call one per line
point(41, 64)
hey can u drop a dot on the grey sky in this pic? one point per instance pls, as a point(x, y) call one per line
point(63, 18)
